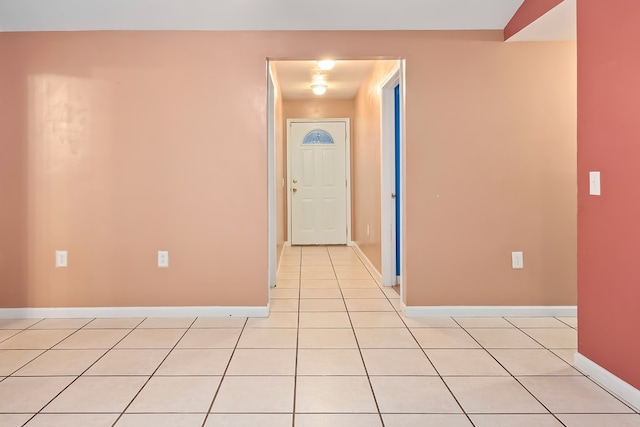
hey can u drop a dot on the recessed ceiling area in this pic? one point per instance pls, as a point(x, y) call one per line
point(343, 80)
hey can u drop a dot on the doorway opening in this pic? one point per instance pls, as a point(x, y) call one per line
point(392, 171)
point(356, 101)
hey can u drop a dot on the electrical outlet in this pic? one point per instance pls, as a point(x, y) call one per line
point(61, 259)
point(163, 259)
point(517, 260)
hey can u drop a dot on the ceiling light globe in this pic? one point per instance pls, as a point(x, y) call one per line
point(319, 89)
point(326, 64)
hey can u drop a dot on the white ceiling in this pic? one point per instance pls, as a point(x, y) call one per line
point(71, 15)
point(344, 80)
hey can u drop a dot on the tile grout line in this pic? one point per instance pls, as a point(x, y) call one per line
point(44, 352)
point(155, 370)
point(224, 373)
point(76, 376)
point(559, 319)
point(295, 369)
point(438, 374)
point(364, 365)
point(422, 349)
point(509, 372)
point(523, 330)
point(11, 336)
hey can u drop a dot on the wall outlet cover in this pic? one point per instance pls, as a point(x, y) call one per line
point(61, 259)
point(163, 259)
point(517, 260)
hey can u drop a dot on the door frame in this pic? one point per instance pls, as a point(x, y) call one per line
point(387, 173)
point(272, 268)
point(347, 170)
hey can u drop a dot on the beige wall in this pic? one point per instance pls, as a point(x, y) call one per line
point(491, 169)
point(139, 141)
point(366, 163)
point(316, 108)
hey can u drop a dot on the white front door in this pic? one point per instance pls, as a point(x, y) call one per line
point(318, 182)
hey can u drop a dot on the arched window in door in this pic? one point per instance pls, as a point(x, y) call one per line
point(317, 136)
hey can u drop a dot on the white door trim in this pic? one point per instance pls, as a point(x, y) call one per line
point(271, 180)
point(387, 163)
point(347, 123)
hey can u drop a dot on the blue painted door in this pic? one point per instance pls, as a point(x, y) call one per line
point(398, 174)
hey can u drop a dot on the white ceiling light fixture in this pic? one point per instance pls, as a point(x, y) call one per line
point(326, 64)
point(319, 84)
point(319, 88)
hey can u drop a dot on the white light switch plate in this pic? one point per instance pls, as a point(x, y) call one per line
point(594, 183)
point(163, 259)
point(517, 260)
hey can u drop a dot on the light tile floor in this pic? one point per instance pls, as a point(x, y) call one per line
point(334, 352)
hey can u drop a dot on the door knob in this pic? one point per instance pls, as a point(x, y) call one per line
point(295, 181)
point(294, 190)
point(393, 195)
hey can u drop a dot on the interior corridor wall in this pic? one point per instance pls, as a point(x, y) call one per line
point(367, 181)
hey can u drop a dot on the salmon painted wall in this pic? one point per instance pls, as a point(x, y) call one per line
point(13, 169)
point(133, 146)
point(139, 141)
point(608, 227)
point(527, 13)
point(366, 164)
point(316, 108)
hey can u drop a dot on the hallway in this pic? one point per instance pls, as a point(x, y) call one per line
point(334, 352)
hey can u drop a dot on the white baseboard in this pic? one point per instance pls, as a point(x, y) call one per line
point(284, 247)
point(116, 312)
point(490, 311)
point(367, 263)
point(403, 308)
point(606, 379)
